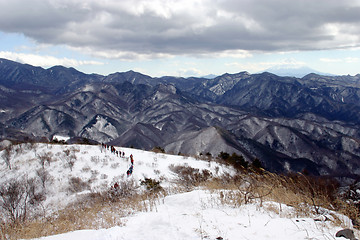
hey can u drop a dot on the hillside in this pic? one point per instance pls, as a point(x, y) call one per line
point(95, 167)
point(71, 187)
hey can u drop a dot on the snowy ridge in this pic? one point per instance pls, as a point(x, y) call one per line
point(199, 214)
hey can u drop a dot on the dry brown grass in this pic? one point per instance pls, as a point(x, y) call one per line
point(93, 211)
point(307, 195)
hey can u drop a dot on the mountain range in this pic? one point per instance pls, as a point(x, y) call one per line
point(290, 124)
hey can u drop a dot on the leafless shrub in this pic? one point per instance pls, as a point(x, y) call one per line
point(115, 165)
point(151, 184)
point(43, 175)
point(251, 188)
point(19, 149)
point(105, 163)
point(315, 191)
point(75, 149)
point(94, 173)
point(7, 155)
point(13, 200)
point(103, 176)
point(71, 161)
point(122, 189)
point(190, 176)
point(241, 189)
point(306, 194)
point(36, 193)
point(45, 158)
point(86, 169)
point(95, 159)
point(70, 157)
point(30, 145)
point(158, 149)
point(76, 184)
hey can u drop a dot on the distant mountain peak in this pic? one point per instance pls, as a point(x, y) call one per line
point(209, 76)
point(293, 69)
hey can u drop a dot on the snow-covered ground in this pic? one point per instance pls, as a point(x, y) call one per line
point(198, 214)
point(98, 167)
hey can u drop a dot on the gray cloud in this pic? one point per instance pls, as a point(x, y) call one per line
point(132, 29)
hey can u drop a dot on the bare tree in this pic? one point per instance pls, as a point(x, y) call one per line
point(70, 157)
point(17, 197)
point(36, 193)
point(43, 175)
point(13, 200)
point(45, 158)
point(7, 156)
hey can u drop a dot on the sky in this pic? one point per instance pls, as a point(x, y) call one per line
point(182, 37)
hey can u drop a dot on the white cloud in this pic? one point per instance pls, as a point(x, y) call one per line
point(143, 29)
point(331, 60)
point(262, 66)
point(227, 53)
point(340, 60)
point(190, 72)
point(45, 61)
point(118, 54)
point(352, 59)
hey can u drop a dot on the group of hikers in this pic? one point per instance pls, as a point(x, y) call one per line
point(120, 154)
point(113, 150)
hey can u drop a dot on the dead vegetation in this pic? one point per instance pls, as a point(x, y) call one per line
point(307, 195)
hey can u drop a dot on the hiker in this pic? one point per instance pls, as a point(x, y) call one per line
point(130, 170)
point(132, 159)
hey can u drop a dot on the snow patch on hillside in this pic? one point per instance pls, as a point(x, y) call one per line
point(60, 138)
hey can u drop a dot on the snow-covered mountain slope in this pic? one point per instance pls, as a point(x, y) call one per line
point(94, 166)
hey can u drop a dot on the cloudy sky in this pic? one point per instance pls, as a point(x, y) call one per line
point(182, 37)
